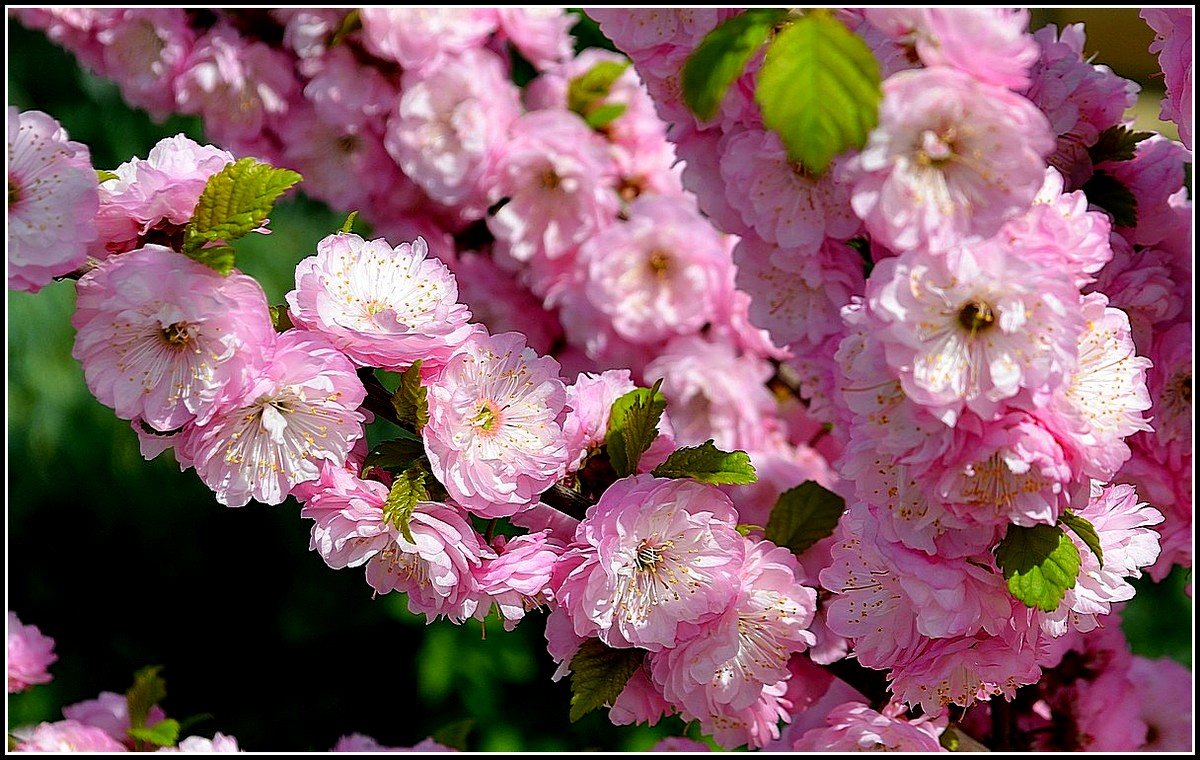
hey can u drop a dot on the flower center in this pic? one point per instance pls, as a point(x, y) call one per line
point(976, 316)
point(648, 555)
point(14, 192)
point(374, 306)
point(660, 262)
point(936, 148)
point(550, 179)
point(486, 417)
point(1178, 393)
point(176, 334)
point(347, 143)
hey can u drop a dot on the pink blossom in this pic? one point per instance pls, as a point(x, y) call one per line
point(1173, 43)
point(52, 200)
point(1170, 386)
point(499, 302)
point(990, 44)
point(651, 555)
point(517, 579)
point(75, 29)
point(450, 127)
point(641, 701)
point(854, 727)
point(976, 330)
point(680, 744)
point(297, 406)
point(30, 655)
point(754, 726)
point(324, 152)
point(559, 180)
point(219, 743)
point(1153, 176)
point(66, 736)
point(952, 158)
point(1166, 486)
point(779, 468)
point(961, 671)
point(345, 93)
point(307, 31)
point(642, 29)
point(562, 643)
point(161, 336)
point(109, 711)
point(363, 743)
point(144, 50)
point(495, 436)
point(1164, 694)
point(590, 399)
point(1145, 284)
point(382, 306)
point(422, 38)
point(541, 34)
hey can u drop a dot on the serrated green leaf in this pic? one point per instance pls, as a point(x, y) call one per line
point(236, 201)
point(1081, 527)
point(147, 691)
point(593, 85)
point(1107, 192)
point(410, 399)
point(104, 175)
point(219, 257)
point(1040, 563)
point(165, 733)
point(280, 319)
point(407, 489)
point(1117, 143)
point(454, 735)
point(803, 516)
point(633, 426)
point(599, 674)
point(819, 89)
point(721, 57)
point(395, 455)
point(708, 464)
point(601, 116)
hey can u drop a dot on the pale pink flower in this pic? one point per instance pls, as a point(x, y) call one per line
point(641, 701)
point(349, 526)
point(680, 744)
point(451, 126)
point(590, 399)
point(52, 201)
point(975, 329)
point(345, 93)
point(854, 727)
point(75, 29)
point(307, 31)
point(422, 38)
point(382, 306)
point(325, 152)
point(1146, 284)
point(1173, 43)
point(754, 726)
point(952, 158)
point(1164, 693)
point(559, 179)
point(517, 578)
point(651, 555)
point(1153, 176)
point(363, 743)
point(219, 743)
point(1170, 386)
point(541, 34)
point(109, 711)
point(66, 736)
point(494, 437)
point(297, 406)
point(161, 336)
point(642, 29)
point(1166, 486)
point(499, 302)
point(144, 50)
point(963, 670)
point(30, 655)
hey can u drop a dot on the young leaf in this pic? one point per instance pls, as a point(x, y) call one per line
point(219, 257)
point(587, 90)
point(348, 225)
point(633, 426)
point(147, 691)
point(235, 202)
point(1107, 192)
point(165, 733)
point(1081, 527)
point(819, 89)
point(104, 175)
point(603, 115)
point(1040, 563)
point(1117, 143)
point(722, 55)
point(407, 489)
point(708, 464)
point(454, 735)
point(410, 400)
point(396, 455)
point(803, 516)
point(599, 674)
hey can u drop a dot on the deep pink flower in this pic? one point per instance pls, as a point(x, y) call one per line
point(963, 670)
point(1173, 43)
point(109, 711)
point(517, 578)
point(1153, 176)
point(30, 655)
point(1164, 694)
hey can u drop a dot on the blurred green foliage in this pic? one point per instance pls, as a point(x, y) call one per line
point(128, 563)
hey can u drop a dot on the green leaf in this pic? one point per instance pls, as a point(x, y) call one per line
point(147, 691)
point(708, 464)
point(1040, 563)
point(599, 674)
point(235, 202)
point(407, 489)
point(395, 455)
point(454, 735)
point(1107, 192)
point(165, 733)
point(1081, 527)
point(104, 175)
point(745, 529)
point(351, 22)
point(721, 57)
point(633, 426)
point(601, 116)
point(409, 400)
point(593, 85)
point(280, 319)
point(348, 225)
point(1117, 143)
point(954, 739)
point(819, 89)
point(803, 516)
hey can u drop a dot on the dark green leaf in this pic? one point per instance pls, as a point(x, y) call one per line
point(601, 116)
point(721, 57)
point(280, 319)
point(819, 89)
point(1040, 563)
point(1086, 532)
point(1117, 143)
point(407, 489)
point(803, 516)
point(1107, 192)
point(409, 400)
point(165, 733)
point(104, 175)
point(454, 735)
point(633, 426)
point(395, 455)
point(348, 225)
point(147, 691)
point(599, 674)
point(708, 464)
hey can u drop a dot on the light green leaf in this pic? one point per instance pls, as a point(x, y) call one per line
point(954, 739)
point(601, 116)
point(1040, 563)
point(165, 733)
point(348, 225)
point(599, 674)
point(407, 489)
point(708, 464)
point(1081, 527)
point(147, 691)
point(803, 516)
point(593, 85)
point(633, 426)
point(721, 57)
point(410, 399)
point(219, 257)
point(104, 175)
point(819, 89)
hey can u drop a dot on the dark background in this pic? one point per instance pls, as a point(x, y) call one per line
point(128, 563)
